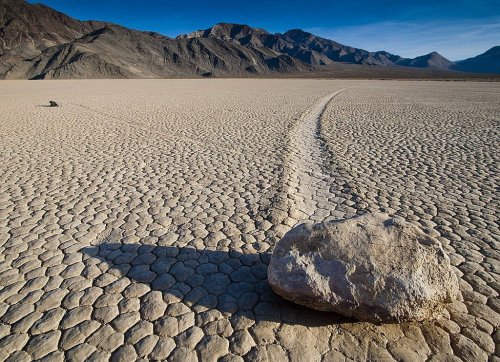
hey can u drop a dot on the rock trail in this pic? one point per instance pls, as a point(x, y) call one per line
point(316, 190)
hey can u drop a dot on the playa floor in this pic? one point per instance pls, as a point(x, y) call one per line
point(137, 219)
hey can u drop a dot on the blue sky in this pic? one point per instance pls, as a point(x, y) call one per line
point(456, 29)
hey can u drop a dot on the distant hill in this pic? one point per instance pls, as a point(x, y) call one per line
point(37, 42)
point(488, 62)
point(432, 60)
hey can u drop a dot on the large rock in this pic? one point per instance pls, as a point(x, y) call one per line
point(372, 267)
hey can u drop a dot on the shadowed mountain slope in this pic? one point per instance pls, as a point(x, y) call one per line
point(27, 29)
point(488, 62)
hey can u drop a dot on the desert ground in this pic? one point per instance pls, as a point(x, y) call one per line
point(137, 219)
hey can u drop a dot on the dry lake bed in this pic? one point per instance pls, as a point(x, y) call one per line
point(138, 218)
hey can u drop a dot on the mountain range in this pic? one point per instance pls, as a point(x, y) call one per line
point(38, 42)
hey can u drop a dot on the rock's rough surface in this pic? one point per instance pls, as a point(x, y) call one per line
point(372, 267)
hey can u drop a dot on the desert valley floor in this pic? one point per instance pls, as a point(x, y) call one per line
point(138, 218)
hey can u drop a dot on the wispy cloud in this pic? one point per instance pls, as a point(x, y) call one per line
point(453, 39)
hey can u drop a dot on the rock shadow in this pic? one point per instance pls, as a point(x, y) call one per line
point(230, 282)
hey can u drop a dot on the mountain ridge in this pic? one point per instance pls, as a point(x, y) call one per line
point(489, 62)
point(38, 42)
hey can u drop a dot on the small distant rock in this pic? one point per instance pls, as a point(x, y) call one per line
point(53, 104)
point(372, 267)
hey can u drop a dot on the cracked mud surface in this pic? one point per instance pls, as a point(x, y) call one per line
point(137, 219)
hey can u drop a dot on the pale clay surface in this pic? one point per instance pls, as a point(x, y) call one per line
point(137, 219)
point(371, 267)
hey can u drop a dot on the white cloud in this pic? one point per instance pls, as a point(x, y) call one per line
point(455, 40)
